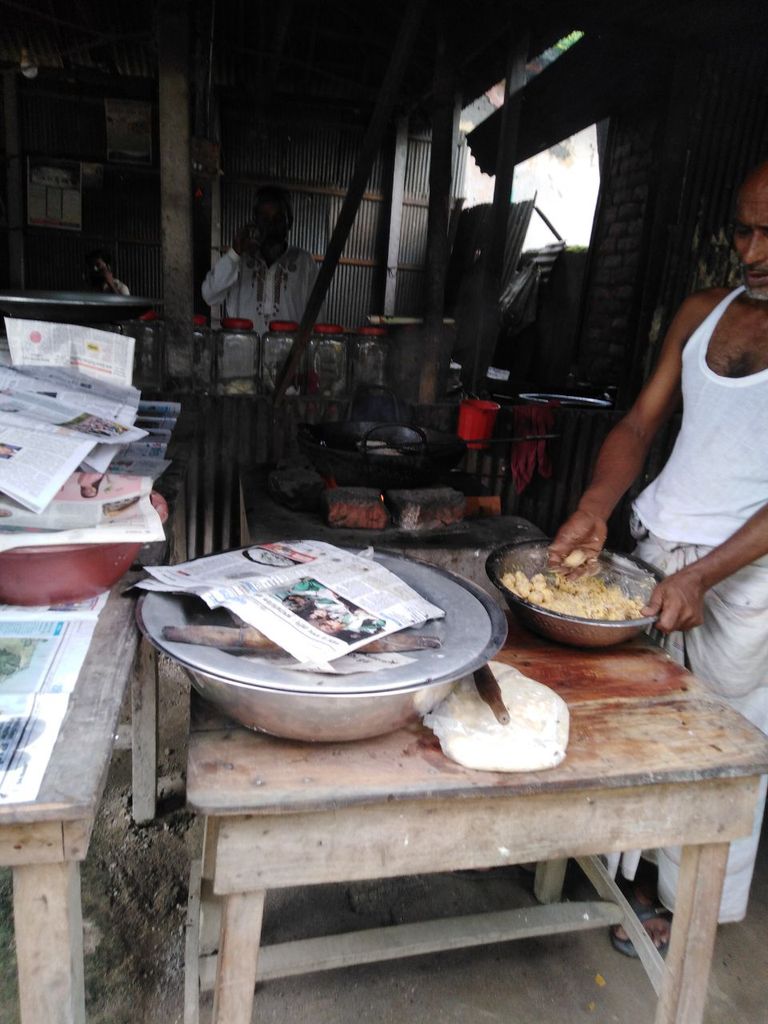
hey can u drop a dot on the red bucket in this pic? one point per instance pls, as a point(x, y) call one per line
point(476, 420)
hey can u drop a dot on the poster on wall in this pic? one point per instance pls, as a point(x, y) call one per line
point(54, 193)
point(129, 131)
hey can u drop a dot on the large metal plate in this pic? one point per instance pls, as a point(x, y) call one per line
point(73, 307)
point(472, 632)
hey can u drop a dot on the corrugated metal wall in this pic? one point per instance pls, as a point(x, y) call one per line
point(120, 213)
point(315, 161)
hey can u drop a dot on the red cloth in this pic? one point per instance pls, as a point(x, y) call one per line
point(528, 456)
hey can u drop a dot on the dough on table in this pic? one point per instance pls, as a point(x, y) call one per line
point(469, 733)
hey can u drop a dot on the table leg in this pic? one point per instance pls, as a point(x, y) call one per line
point(684, 992)
point(548, 883)
point(238, 951)
point(49, 943)
point(144, 698)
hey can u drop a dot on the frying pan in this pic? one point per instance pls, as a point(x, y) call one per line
point(366, 454)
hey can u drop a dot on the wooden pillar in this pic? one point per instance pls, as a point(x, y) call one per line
point(390, 88)
point(204, 152)
point(14, 181)
point(487, 317)
point(435, 360)
point(175, 173)
point(396, 214)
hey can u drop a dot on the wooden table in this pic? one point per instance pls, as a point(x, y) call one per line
point(44, 840)
point(653, 760)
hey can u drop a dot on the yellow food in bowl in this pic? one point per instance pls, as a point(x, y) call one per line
point(586, 597)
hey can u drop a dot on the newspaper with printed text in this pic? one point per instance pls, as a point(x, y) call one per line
point(314, 600)
point(40, 661)
point(102, 354)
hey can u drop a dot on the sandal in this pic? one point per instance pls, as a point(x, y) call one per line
point(643, 912)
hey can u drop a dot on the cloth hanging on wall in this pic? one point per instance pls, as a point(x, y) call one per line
point(527, 457)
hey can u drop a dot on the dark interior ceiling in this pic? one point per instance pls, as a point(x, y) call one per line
point(336, 51)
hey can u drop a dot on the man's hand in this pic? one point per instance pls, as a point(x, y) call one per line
point(578, 543)
point(107, 276)
point(246, 239)
point(678, 601)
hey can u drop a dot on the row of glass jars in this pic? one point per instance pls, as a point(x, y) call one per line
point(235, 360)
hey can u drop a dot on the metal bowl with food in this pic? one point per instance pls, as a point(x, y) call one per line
point(262, 693)
point(634, 578)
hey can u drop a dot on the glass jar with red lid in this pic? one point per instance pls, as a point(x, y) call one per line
point(368, 358)
point(148, 333)
point(275, 347)
point(237, 358)
point(327, 362)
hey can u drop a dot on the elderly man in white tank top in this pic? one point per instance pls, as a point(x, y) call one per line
point(704, 519)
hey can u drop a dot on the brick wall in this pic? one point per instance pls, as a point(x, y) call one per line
point(616, 274)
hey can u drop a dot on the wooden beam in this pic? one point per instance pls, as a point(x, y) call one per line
point(175, 173)
point(487, 309)
point(14, 181)
point(434, 361)
point(396, 214)
point(654, 303)
point(599, 76)
point(370, 147)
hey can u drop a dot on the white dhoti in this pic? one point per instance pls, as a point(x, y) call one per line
point(729, 653)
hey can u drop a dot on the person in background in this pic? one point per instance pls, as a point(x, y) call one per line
point(261, 277)
point(98, 273)
point(704, 520)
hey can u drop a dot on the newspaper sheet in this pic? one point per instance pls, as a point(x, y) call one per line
point(102, 354)
point(85, 499)
point(147, 449)
point(139, 523)
point(149, 408)
point(71, 611)
point(39, 665)
point(29, 727)
point(139, 465)
point(156, 422)
point(160, 416)
point(36, 458)
point(314, 600)
point(100, 458)
point(82, 413)
point(123, 400)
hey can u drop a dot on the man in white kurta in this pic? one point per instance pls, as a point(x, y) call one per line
point(261, 277)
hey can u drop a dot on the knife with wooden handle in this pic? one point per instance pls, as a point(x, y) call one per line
point(248, 639)
point(489, 690)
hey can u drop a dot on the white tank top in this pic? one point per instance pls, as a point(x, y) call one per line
point(717, 474)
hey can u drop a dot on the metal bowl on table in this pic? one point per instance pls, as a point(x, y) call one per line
point(73, 307)
point(263, 694)
point(631, 575)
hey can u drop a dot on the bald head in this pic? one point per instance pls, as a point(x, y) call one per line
point(750, 235)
